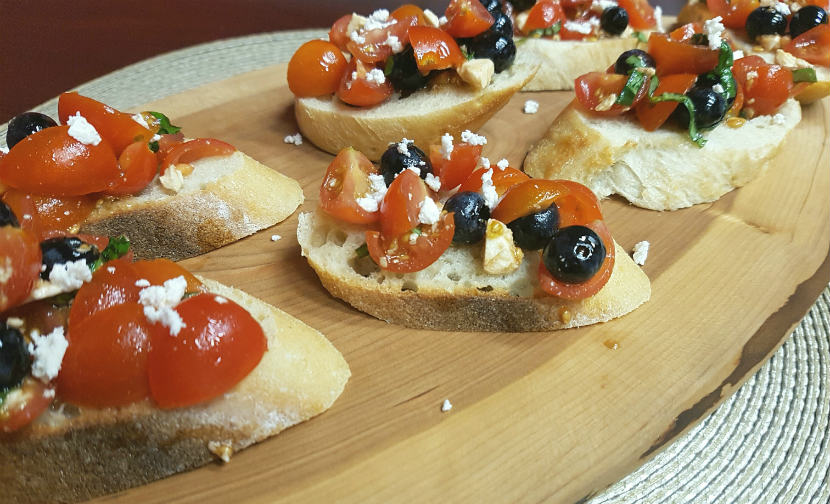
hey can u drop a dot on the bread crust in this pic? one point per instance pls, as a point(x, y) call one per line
point(246, 197)
point(423, 116)
point(659, 170)
point(479, 302)
point(72, 454)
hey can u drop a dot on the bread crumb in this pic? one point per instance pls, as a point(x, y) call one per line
point(640, 252)
point(565, 315)
point(14, 322)
point(531, 107)
point(222, 449)
point(296, 139)
point(446, 405)
point(275, 237)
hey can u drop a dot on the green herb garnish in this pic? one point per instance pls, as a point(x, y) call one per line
point(804, 75)
point(640, 36)
point(635, 81)
point(165, 127)
point(694, 134)
point(550, 31)
point(116, 247)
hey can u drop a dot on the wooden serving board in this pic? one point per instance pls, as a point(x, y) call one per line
point(549, 417)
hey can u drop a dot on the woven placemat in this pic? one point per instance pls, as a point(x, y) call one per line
point(768, 443)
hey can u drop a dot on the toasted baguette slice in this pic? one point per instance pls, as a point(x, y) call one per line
point(71, 454)
point(660, 170)
point(223, 199)
point(562, 61)
point(422, 116)
point(455, 293)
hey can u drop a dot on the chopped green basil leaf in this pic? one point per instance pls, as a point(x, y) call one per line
point(694, 134)
point(804, 75)
point(165, 127)
point(417, 231)
point(362, 251)
point(642, 37)
point(699, 39)
point(154, 146)
point(467, 55)
point(631, 89)
point(652, 85)
point(116, 247)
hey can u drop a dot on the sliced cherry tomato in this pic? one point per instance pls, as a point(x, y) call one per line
point(406, 13)
point(24, 404)
point(220, 344)
point(192, 150)
point(316, 69)
point(586, 289)
point(766, 87)
point(24, 208)
point(597, 92)
point(338, 35)
point(139, 166)
point(640, 14)
point(106, 361)
point(652, 116)
point(20, 261)
point(434, 49)
point(467, 18)
point(62, 213)
point(400, 207)
point(503, 179)
point(119, 129)
point(158, 271)
point(528, 197)
point(52, 162)
point(363, 86)
point(579, 206)
point(544, 14)
point(686, 32)
point(402, 254)
point(733, 12)
point(673, 57)
point(346, 181)
point(375, 45)
point(812, 45)
point(457, 168)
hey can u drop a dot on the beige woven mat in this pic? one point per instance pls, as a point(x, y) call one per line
point(768, 443)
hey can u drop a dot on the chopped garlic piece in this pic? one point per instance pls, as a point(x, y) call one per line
point(477, 72)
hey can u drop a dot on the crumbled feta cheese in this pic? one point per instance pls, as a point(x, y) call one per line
point(788, 60)
point(477, 72)
point(737, 54)
point(140, 120)
point(431, 18)
point(531, 107)
point(713, 28)
point(275, 237)
point(782, 8)
point(446, 145)
point(47, 352)
point(501, 255)
point(433, 182)
point(471, 138)
point(430, 213)
point(159, 300)
point(220, 299)
point(172, 179)
point(446, 405)
point(717, 88)
point(658, 17)
point(6, 270)
point(394, 43)
point(601, 5)
point(49, 393)
point(378, 20)
point(413, 238)
point(488, 190)
point(583, 27)
point(357, 38)
point(403, 146)
point(296, 139)
point(442, 20)
point(69, 276)
point(82, 131)
point(484, 162)
point(795, 7)
point(375, 75)
point(377, 190)
point(142, 282)
point(503, 164)
point(413, 169)
point(111, 269)
point(769, 42)
point(4, 150)
point(640, 252)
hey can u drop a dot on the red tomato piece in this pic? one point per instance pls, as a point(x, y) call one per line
point(158, 271)
point(673, 57)
point(685, 32)
point(467, 18)
point(19, 409)
point(597, 91)
point(652, 116)
point(733, 12)
point(812, 45)
point(399, 254)
point(544, 14)
point(579, 206)
point(640, 14)
point(409, 13)
point(316, 69)
point(106, 361)
point(220, 344)
point(20, 261)
point(502, 180)
point(457, 168)
point(346, 181)
point(24, 208)
point(338, 34)
point(52, 162)
point(139, 166)
point(61, 213)
point(586, 289)
point(119, 129)
point(528, 197)
point(766, 87)
point(434, 49)
point(193, 150)
point(111, 285)
point(400, 207)
point(363, 86)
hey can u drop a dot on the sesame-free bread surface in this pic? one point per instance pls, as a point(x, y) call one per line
point(455, 293)
point(72, 454)
point(223, 200)
point(662, 169)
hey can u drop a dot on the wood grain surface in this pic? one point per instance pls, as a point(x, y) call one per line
point(551, 417)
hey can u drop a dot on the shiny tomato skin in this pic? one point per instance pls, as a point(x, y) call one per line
point(138, 165)
point(400, 207)
point(812, 45)
point(52, 162)
point(105, 364)
point(118, 128)
point(193, 150)
point(593, 89)
point(399, 255)
point(527, 197)
point(111, 285)
point(583, 290)
point(62, 213)
point(434, 49)
point(640, 14)
point(220, 344)
point(20, 259)
point(765, 90)
point(466, 18)
point(652, 116)
point(685, 32)
point(338, 34)
point(346, 180)
point(315, 69)
point(578, 206)
point(673, 57)
point(544, 14)
point(25, 209)
point(733, 12)
point(457, 168)
point(18, 411)
point(502, 179)
point(356, 89)
point(158, 271)
point(409, 13)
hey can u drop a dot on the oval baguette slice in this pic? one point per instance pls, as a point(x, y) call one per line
point(455, 293)
point(663, 169)
point(422, 116)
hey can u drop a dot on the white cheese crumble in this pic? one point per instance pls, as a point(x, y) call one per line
point(394, 43)
point(140, 120)
point(503, 164)
point(471, 138)
point(275, 237)
point(172, 179)
point(82, 131)
point(737, 54)
point(403, 146)
point(220, 299)
point(531, 107)
point(378, 20)
point(431, 18)
point(658, 17)
point(484, 162)
point(296, 139)
point(446, 145)
point(446, 405)
point(375, 75)
point(717, 88)
point(159, 300)
point(47, 352)
point(640, 252)
point(70, 276)
point(433, 182)
point(142, 282)
point(583, 27)
point(488, 190)
point(501, 255)
point(416, 171)
point(782, 8)
point(377, 190)
point(430, 213)
point(4, 150)
point(713, 28)
point(601, 5)
point(357, 38)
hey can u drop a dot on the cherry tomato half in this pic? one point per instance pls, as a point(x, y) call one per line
point(503, 179)
point(544, 14)
point(812, 45)
point(652, 116)
point(62, 213)
point(527, 197)
point(21, 407)
point(347, 180)
point(733, 12)
point(338, 34)
point(25, 209)
point(766, 87)
point(192, 150)
point(467, 18)
point(402, 254)
point(597, 92)
point(20, 261)
point(119, 129)
point(316, 69)
point(138, 165)
point(640, 14)
point(400, 207)
point(673, 57)
point(363, 86)
point(457, 168)
point(434, 49)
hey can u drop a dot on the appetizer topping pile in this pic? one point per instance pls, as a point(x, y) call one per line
point(417, 205)
point(692, 66)
point(583, 19)
point(367, 59)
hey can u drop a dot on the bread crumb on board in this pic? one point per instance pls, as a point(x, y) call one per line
point(446, 405)
point(296, 139)
point(640, 252)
